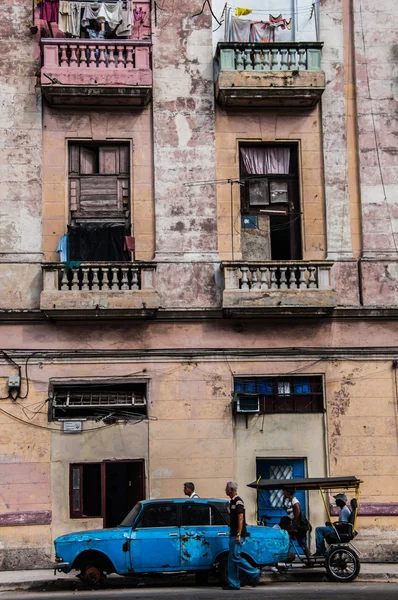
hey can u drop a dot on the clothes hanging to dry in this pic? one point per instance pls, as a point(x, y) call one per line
point(244, 30)
point(97, 241)
point(106, 12)
point(126, 25)
point(49, 10)
point(70, 17)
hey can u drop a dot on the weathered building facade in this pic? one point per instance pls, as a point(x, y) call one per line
point(224, 304)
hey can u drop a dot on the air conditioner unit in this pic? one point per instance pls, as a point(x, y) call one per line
point(247, 403)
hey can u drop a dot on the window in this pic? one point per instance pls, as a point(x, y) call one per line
point(284, 394)
point(159, 515)
point(200, 514)
point(270, 199)
point(98, 401)
point(107, 490)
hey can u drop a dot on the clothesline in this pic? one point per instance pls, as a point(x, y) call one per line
point(287, 10)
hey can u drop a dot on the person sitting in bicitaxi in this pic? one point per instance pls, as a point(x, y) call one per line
point(322, 532)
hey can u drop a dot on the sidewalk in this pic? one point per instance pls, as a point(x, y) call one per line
point(45, 578)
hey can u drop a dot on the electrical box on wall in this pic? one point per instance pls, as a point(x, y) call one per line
point(14, 382)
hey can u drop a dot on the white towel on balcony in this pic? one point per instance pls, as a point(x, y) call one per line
point(110, 13)
point(69, 17)
point(240, 30)
point(127, 20)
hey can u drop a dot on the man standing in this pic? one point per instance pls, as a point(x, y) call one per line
point(237, 539)
point(322, 532)
point(189, 490)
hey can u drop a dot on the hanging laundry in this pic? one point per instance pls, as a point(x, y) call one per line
point(139, 14)
point(105, 12)
point(49, 10)
point(240, 30)
point(280, 21)
point(70, 17)
point(240, 12)
point(126, 25)
point(63, 248)
point(260, 31)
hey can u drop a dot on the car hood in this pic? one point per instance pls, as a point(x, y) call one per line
point(92, 535)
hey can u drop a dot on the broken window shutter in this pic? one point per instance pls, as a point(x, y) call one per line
point(74, 193)
point(88, 160)
point(124, 158)
point(109, 160)
point(76, 487)
point(123, 193)
point(74, 153)
point(99, 195)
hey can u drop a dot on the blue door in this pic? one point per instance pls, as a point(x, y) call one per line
point(269, 502)
point(204, 535)
point(155, 540)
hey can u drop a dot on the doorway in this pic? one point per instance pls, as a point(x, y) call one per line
point(269, 502)
point(124, 487)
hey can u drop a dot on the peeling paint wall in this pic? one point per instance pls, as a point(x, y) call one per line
point(184, 152)
point(20, 158)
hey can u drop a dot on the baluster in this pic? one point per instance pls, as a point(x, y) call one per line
point(283, 280)
point(64, 58)
point(95, 281)
point(101, 60)
point(244, 281)
point(254, 280)
point(303, 283)
point(134, 279)
point(292, 59)
point(302, 62)
point(91, 61)
point(257, 61)
point(312, 279)
point(120, 56)
point(292, 279)
point(264, 282)
point(85, 285)
point(284, 59)
point(64, 280)
point(125, 282)
point(239, 60)
point(83, 56)
point(75, 280)
point(106, 278)
point(275, 59)
point(73, 56)
point(113, 278)
point(248, 60)
point(273, 281)
point(129, 55)
point(111, 59)
point(265, 61)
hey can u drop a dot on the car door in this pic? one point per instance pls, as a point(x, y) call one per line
point(155, 539)
point(204, 535)
point(270, 501)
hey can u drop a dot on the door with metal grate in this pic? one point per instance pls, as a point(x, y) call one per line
point(269, 502)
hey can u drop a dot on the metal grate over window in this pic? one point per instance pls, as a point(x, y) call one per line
point(100, 402)
point(284, 393)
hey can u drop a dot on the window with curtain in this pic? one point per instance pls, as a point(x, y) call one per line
point(271, 192)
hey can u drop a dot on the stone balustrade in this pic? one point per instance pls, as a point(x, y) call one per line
point(92, 64)
point(293, 56)
point(278, 284)
point(123, 288)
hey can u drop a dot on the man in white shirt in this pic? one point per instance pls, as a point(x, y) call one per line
point(322, 532)
point(189, 490)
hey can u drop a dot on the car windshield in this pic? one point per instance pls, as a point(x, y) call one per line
point(129, 520)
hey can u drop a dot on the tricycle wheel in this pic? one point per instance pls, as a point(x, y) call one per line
point(342, 564)
point(222, 572)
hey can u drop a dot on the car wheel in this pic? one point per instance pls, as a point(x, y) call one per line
point(222, 572)
point(92, 575)
point(342, 565)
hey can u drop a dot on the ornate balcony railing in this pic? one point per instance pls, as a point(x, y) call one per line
point(271, 56)
point(124, 287)
point(278, 284)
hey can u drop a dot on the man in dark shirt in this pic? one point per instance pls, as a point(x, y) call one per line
point(237, 538)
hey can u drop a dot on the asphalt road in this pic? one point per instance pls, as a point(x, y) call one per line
point(274, 591)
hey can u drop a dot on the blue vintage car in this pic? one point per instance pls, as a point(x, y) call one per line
point(171, 535)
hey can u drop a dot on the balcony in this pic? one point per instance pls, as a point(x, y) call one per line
point(99, 290)
point(285, 287)
point(82, 72)
point(269, 75)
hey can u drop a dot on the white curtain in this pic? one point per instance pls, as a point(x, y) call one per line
point(266, 161)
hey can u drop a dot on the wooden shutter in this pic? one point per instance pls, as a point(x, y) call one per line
point(109, 160)
point(76, 491)
point(74, 164)
point(88, 160)
point(124, 160)
point(99, 195)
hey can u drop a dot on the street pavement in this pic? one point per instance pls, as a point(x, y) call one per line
point(274, 591)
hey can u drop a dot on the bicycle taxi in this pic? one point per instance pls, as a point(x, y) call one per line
point(341, 559)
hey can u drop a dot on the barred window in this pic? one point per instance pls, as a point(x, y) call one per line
point(281, 394)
